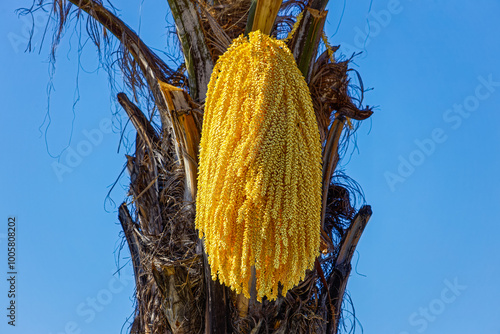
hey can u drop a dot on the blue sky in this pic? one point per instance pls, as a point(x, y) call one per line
point(427, 161)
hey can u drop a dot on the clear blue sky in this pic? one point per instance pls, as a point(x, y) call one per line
point(428, 162)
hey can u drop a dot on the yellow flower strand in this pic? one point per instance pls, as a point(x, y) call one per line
point(294, 28)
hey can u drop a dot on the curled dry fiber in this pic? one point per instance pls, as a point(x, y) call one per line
point(259, 183)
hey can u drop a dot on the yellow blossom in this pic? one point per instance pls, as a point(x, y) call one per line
point(259, 182)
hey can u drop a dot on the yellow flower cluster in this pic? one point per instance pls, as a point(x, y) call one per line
point(259, 182)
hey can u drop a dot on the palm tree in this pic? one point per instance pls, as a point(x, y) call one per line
point(174, 289)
